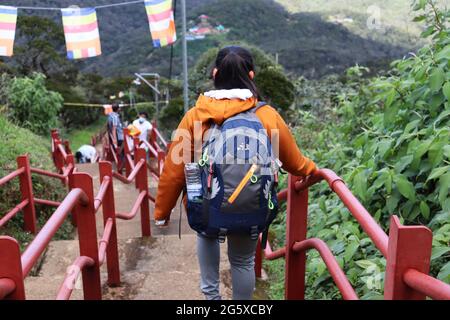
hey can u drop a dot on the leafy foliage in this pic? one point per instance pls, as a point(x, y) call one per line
point(389, 139)
point(31, 105)
point(40, 49)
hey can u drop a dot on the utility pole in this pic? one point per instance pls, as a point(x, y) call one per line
point(155, 87)
point(185, 55)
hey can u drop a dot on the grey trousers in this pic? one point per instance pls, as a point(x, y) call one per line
point(241, 254)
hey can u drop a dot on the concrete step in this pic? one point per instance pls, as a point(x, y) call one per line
point(159, 267)
point(163, 267)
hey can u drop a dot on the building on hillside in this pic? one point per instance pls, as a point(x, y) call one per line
point(204, 27)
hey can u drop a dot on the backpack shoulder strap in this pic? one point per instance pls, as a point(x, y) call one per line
point(259, 105)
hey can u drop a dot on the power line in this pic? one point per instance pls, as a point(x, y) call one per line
point(95, 7)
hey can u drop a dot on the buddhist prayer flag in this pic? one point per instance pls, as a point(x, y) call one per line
point(8, 20)
point(162, 22)
point(81, 32)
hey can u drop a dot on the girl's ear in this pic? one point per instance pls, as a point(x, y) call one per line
point(252, 74)
point(215, 70)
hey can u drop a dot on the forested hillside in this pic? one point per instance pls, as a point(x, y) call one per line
point(307, 41)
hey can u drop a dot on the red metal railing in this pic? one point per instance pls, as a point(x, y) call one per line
point(62, 158)
point(64, 163)
point(407, 249)
point(80, 201)
point(156, 148)
point(106, 250)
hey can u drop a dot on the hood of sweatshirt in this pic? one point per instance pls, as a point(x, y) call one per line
point(219, 105)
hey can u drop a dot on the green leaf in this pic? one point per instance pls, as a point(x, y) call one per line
point(420, 5)
point(383, 147)
point(391, 203)
point(380, 181)
point(437, 78)
point(437, 252)
point(350, 250)
point(388, 183)
point(405, 187)
point(444, 185)
point(444, 273)
point(403, 163)
point(365, 264)
point(436, 173)
point(420, 18)
point(446, 90)
point(425, 210)
point(390, 96)
point(443, 54)
point(360, 184)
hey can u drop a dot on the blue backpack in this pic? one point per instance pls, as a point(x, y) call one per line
point(239, 175)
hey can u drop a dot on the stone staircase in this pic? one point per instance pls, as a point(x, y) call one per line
point(160, 267)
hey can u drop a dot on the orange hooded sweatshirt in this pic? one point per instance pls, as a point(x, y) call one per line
point(208, 110)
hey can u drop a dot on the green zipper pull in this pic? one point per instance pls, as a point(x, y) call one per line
point(271, 205)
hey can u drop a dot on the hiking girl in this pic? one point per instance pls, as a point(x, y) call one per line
point(237, 171)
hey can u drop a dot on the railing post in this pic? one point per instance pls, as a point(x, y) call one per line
point(109, 212)
point(54, 136)
point(11, 266)
point(70, 161)
point(136, 145)
point(87, 237)
point(70, 185)
point(142, 185)
point(126, 135)
point(153, 137)
point(409, 248)
point(258, 260)
point(67, 147)
point(26, 190)
point(296, 227)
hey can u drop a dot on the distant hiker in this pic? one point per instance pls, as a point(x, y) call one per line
point(144, 126)
point(86, 154)
point(115, 128)
point(229, 199)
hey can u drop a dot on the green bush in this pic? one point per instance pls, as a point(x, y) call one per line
point(389, 139)
point(31, 105)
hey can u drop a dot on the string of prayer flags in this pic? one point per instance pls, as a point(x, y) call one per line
point(81, 33)
point(8, 21)
point(162, 22)
point(81, 27)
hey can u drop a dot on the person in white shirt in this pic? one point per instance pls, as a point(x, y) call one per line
point(86, 154)
point(144, 126)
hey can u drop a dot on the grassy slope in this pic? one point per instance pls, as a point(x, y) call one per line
point(79, 137)
point(15, 141)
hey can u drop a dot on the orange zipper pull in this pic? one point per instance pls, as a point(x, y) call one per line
point(242, 183)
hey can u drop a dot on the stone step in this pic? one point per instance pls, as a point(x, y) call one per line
point(162, 267)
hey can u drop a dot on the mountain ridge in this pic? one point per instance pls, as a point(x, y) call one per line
point(305, 42)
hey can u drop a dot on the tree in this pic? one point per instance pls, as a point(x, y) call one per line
point(40, 45)
point(274, 85)
point(32, 106)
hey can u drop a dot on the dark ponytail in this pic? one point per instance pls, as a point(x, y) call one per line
point(234, 65)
